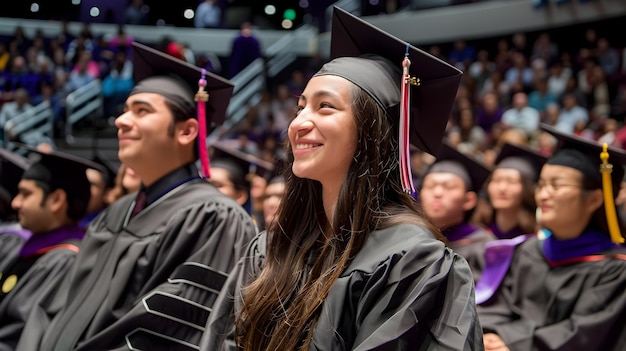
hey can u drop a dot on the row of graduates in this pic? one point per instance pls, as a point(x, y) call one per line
point(559, 285)
point(350, 262)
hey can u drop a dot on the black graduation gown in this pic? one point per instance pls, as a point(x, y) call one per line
point(10, 244)
point(580, 306)
point(147, 283)
point(470, 246)
point(403, 291)
point(43, 275)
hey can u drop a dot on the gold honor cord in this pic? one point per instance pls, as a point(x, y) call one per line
point(607, 189)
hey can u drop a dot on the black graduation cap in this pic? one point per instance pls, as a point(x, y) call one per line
point(450, 160)
point(155, 71)
point(107, 170)
point(521, 158)
point(372, 59)
point(59, 170)
point(584, 155)
point(239, 163)
point(12, 166)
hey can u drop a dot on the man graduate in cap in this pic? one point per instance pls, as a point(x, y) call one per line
point(564, 290)
point(154, 261)
point(448, 195)
point(52, 197)
point(232, 173)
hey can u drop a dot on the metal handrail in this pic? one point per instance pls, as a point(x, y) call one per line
point(84, 101)
point(38, 119)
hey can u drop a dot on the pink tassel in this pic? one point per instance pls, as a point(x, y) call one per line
point(405, 118)
point(202, 97)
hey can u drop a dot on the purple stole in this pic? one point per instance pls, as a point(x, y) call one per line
point(516, 231)
point(498, 257)
point(586, 247)
point(43, 242)
point(459, 232)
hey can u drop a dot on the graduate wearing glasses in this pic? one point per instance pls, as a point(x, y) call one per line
point(563, 289)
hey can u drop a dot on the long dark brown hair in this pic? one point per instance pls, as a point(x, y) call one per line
point(281, 307)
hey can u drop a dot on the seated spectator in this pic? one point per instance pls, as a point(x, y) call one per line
point(117, 84)
point(12, 109)
point(522, 116)
point(558, 77)
point(520, 72)
point(471, 138)
point(462, 54)
point(608, 57)
point(570, 114)
point(481, 69)
point(489, 112)
point(80, 75)
point(540, 98)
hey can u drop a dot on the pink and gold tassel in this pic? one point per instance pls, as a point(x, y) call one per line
point(202, 97)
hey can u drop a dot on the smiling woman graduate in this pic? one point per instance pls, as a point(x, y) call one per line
point(350, 262)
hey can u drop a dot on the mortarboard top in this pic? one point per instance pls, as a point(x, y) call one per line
point(60, 170)
point(521, 158)
point(584, 155)
point(12, 166)
point(450, 160)
point(239, 161)
point(431, 101)
point(177, 80)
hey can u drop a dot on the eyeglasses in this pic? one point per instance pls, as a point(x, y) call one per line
point(553, 186)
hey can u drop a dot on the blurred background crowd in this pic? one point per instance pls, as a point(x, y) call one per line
point(572, 77)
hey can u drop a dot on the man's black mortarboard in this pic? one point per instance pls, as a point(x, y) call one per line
point(450, 160)
point(184, 85)
point(107, 170)
point(376, 62)
point(58, 170)
point(239, 163)
point(12, 166)
point(586, 156)
point(527, 161)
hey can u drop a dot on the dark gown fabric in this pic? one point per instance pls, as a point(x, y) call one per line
point(573, 305)
point(147, 283)
point(403, 291)
point(38, 266)
point(469, 241)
